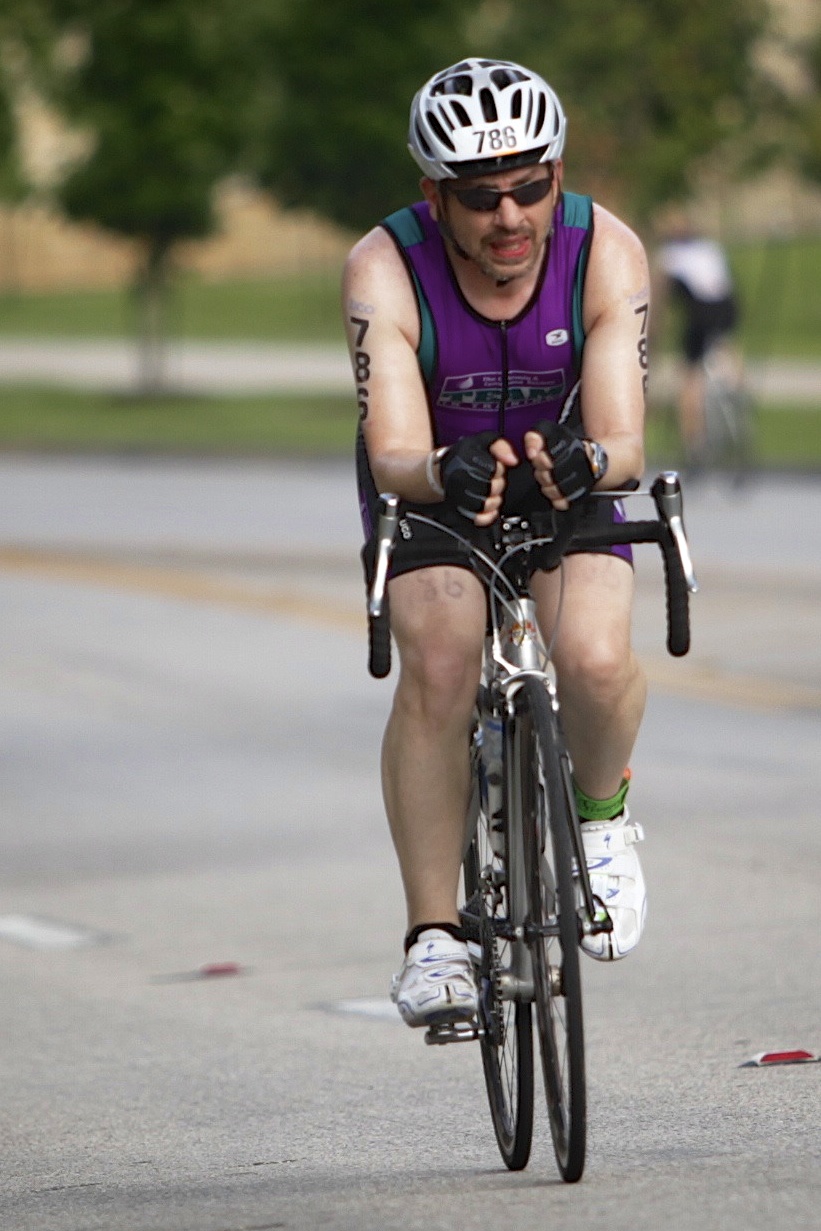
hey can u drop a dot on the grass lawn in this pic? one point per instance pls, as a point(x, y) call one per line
point(788, 436)
point(33, 418)
point(779, 285)
point(278, 309)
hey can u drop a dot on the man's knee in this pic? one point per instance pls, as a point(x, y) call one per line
point(600, 666)
point(438, 619)
point(439, 676)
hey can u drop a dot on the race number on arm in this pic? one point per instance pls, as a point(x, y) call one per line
point(381, 323)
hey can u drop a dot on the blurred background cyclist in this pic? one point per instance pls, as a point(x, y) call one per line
point(693, 275)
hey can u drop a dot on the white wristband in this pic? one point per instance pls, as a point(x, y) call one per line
point(433, 482)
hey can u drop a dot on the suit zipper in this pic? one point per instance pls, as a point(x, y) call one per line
point(503, 402)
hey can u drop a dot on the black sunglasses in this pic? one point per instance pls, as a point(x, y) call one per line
point(484, 200)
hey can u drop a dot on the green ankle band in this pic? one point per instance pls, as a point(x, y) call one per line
point(601, 809)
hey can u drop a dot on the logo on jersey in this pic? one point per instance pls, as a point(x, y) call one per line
point(483, 390)
point(556, 337)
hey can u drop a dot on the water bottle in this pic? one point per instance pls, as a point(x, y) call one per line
point(492, 736)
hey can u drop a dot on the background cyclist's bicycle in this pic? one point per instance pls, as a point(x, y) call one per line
point(728, 411)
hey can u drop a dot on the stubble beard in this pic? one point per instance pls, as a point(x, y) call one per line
point(503, 271)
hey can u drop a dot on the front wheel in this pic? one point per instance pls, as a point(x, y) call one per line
point(554, 927)
point(507, 1032)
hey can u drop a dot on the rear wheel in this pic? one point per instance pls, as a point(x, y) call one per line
point(728, 416)
point(554, 926)
point(507, 1034)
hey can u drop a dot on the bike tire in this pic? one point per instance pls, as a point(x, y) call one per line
point(727, 424)
point(740, 434)
point(553, 903)
point(506, 1040)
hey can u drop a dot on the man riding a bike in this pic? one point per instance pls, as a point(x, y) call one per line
point(693, 273)
point(498, 334)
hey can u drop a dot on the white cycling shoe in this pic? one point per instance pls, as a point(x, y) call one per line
point(436, 984)
point(615, 877)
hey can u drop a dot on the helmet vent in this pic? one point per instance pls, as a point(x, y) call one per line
point(503, 77)
point(541, 113)
point(458, 83)
point(516, 105)
point(444, 137)
point(424, 145)
point(488, 106)
point(460, 114)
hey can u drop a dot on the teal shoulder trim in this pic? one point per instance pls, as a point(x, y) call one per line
point(578, 212)
point(406, 230)
point(405, 227)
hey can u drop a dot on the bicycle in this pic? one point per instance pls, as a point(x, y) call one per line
point(728, 411)
point(723, 436)
point(527, 895)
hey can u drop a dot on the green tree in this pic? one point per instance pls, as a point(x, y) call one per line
point(806, 114)
point(9, 169)
point(649, 88)
point(166, 88)
point(10, 189)
point(32, 58)
point(22, 40)
point(346, 74)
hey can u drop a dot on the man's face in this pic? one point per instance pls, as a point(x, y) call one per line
point(506, 240)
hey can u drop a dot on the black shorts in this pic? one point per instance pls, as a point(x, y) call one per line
point(704, 324)
point(420, 546)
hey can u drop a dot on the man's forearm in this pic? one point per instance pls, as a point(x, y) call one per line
point(412, 474)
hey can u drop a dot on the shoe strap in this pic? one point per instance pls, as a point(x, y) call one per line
point(610, 838)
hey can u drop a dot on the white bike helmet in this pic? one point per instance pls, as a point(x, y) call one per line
point(484, 115)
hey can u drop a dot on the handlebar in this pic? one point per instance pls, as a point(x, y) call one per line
point(385, 535)
point(667, 530)
point(666, 491)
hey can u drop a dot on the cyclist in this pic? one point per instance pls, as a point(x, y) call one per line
point(695, 274)
point(497, 330)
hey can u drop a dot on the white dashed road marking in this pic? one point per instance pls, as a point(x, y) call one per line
point(35, 933)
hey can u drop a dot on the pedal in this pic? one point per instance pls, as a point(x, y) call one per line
point(453, 1032)
point(601, 921)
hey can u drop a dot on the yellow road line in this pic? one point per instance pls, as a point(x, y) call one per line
point(688, 679)
point(179, 584)
point(680, 677)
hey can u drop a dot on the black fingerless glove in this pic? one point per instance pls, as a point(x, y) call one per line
point(572, 472)
point(467, 469)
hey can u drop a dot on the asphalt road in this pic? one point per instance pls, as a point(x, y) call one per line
point(189, 778)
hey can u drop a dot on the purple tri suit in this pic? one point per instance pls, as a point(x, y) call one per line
point(501, 376)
